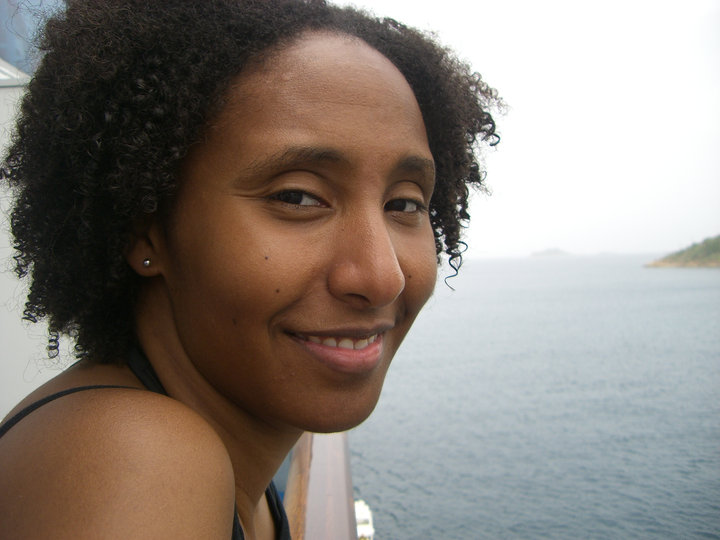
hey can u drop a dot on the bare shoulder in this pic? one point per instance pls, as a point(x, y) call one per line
point(115, 463)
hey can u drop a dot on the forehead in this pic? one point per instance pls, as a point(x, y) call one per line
point(322, 70)
point(315, 54)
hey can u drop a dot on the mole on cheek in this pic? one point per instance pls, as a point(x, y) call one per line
point(266, 257)
point(277, 290)
point(234, 321)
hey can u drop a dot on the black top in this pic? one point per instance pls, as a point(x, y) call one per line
point(142, 369)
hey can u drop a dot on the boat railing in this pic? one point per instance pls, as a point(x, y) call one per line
point(319, 495)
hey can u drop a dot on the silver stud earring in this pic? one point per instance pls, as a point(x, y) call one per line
point(146, 263)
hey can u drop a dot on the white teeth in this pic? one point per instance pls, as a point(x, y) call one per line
point(343, 343)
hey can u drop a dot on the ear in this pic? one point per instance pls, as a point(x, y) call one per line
point(144, 252)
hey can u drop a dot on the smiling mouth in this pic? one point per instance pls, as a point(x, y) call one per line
point(354, 353)
point(342, 342)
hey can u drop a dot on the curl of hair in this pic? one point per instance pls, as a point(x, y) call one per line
point(126, 86)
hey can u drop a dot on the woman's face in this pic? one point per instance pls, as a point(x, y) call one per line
point(300, 249)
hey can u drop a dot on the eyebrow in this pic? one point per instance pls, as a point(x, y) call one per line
point(417, 164)
point(297, 156)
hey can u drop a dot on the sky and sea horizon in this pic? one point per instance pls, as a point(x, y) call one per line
point(611, 125)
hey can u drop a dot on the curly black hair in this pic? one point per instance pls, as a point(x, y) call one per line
point(125, 87)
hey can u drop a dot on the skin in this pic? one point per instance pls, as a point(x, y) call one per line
point(301, 219)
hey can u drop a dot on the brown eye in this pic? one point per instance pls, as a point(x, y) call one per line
point(403, 205)
point(296, 197)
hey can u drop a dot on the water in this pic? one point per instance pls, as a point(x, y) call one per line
point(552, 398)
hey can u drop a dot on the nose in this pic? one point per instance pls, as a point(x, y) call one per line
point(365, 271)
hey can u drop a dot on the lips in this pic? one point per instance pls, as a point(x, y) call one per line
point(350, 354)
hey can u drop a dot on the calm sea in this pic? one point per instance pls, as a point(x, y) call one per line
point(564, 397)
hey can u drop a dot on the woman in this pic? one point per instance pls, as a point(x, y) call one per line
point(238, 206)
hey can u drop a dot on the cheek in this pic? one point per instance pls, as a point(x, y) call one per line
point(212, 281)
point(420, 268)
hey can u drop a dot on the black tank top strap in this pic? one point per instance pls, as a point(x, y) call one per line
point(282, 525)
point(137, 362)
point(277, 510)
point(47, 399)
point(143, 370)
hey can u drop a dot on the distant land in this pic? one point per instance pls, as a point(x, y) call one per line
point(553, 252)
point(705, 254)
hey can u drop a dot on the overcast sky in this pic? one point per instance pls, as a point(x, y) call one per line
point(611, 142)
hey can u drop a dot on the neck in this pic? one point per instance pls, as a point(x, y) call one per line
point(256, 448)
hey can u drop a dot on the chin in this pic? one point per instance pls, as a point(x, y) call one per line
point(345, 415)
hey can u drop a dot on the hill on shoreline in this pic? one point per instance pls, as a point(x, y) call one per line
point(705, 254)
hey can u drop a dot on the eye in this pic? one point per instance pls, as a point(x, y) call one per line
point(296, 197)
point(404, 205)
